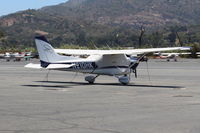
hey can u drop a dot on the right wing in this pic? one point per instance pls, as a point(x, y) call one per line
point(108, 52)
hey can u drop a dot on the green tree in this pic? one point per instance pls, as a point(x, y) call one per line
point(195, 49)
point(156, 39)
point(2, 41)
point(1, 35)
point(81, 38)
point(172, 38)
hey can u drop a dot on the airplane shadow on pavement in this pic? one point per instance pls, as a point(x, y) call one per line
point(61, 84)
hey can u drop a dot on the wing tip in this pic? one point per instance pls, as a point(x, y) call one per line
point(186, 48)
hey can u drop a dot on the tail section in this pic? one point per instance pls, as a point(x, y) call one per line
point(46, 51)
point(47, 54)
point(49, 59)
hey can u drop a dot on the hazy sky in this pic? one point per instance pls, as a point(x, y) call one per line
point(11, 6)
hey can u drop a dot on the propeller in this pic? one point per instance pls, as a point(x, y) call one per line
point(135, 71)
point(135, 64)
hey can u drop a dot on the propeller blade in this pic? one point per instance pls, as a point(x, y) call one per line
point(135, 71)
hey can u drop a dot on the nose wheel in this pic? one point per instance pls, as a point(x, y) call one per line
point(124, 79)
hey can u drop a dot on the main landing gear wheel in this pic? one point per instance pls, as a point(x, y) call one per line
point(90, 79)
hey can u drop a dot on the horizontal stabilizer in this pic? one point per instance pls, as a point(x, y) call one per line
point(59, 66)
point(34, 66)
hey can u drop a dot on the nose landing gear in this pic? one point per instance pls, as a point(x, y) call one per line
point(124, 79)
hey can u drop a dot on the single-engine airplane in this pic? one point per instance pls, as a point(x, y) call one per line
point(117, 63)
point(170, 56)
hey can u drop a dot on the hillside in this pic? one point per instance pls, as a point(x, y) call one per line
point(130, 12)
point(103, 22)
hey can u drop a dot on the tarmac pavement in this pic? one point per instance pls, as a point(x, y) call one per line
point(165, 98)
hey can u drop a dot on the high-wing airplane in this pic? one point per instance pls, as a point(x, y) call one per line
point(117, 63)
point(13, 56)
point(17, 56)
point(170, 56)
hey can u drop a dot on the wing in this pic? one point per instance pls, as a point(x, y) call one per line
point(108, 52)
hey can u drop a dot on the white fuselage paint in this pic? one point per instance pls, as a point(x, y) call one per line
point(101, 71)
point(112, 67)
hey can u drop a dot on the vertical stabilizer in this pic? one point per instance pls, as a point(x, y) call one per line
point(46, 52)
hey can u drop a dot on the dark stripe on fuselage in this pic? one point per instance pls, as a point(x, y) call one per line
point(107, 67)
point(78, 65)
point(83, 65)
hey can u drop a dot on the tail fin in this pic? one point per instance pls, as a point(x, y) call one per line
point(46, 52)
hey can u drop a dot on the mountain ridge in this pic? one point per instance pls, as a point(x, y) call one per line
point(101, 22)
point(131, 12)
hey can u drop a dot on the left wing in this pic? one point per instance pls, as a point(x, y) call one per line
point(108, 52)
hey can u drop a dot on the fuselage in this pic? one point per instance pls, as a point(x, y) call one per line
point(92, 68)
point(97, 65)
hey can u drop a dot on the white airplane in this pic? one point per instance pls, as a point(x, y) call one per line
point(13, 56)
point(169, 56)
point(117, 63)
